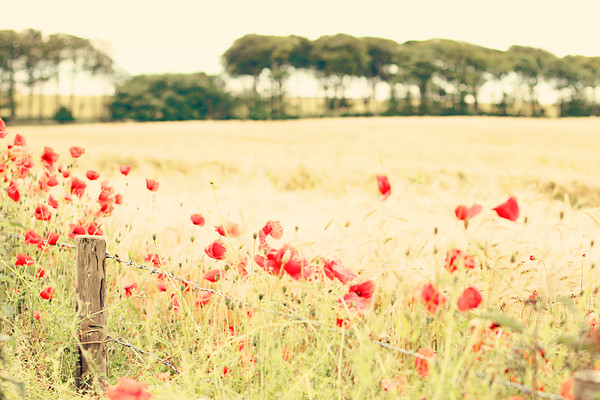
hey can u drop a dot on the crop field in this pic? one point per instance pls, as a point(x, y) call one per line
point(334, 290)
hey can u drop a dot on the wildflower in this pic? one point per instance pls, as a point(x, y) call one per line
point(432, 298)
point(92, 175)
point(40, 273)
point(129, 289)
point(76, 151)
point(42, 213)
point(214, 275)
point(94, 229)
point(47, 293)
point(49, 157)
point(32, 238)
point(422, 364)
point(77, 187)
point(216, 250)
point(469, 299)
point(3, 131)
point(463, 212)
point(52, 202)
point(566, 389)
point(163, 376)
point(392, 385)
point(228, 229)
point(76, 229)
point(157, 262)
point(198, 219)
point(23, 259)
point(359, 296)
point(509, 209)
point(175, 303)
point(456, 258)
point(19, 141)
point(52, 238)
point(271, 228)
point(152, 185)
point(203, 298)
point(128, 389)
point(384, 186)
point(161, 286)
point(124, 169)
point(335, 269)
point(37, 315)
point(13, 191)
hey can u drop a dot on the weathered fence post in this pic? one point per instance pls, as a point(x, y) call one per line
point(586, 385)
point(90, 294)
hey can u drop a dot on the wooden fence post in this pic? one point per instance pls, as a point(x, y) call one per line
point(90, 294)
point(586, 385)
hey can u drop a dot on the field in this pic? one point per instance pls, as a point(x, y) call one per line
point(318, 179)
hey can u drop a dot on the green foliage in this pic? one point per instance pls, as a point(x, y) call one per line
point(63, 115)
point(172, 97)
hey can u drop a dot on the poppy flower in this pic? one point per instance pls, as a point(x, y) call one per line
point(129, 289)
point(94, 229)
point(52, 238)
point(203, 298)
point(198, 219)
point(469, 299)
point(128, 389)
point(432, 298)
point(40, 273)
point(228, 229)
point(152, 185)
point(49, 157)
point(286, 259)
point(566, 389)
point(42, 213)
point(359, 296)
point(509, 209)
point(32, 238)
point(392, 385)
point(118, 199)
point(52, 202)
point(47, 293)
point(92, 175)
point(37, 315)
point(456, 258)
point(77, 187)
point(66, 173)
point(335, 269)
point(213, 275)
point(13, 191)
point(124, 169)
point(216, 250)
point(3, 131)
point(76, 229)
point(422, 364)
point(463, 212)
point(23, 259)
point(157, 262)
point(19, 141)
point(161, 286)
point(76, 151)
point(384, 186)
point(273, 228)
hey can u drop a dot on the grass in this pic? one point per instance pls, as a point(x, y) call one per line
point(317, 177)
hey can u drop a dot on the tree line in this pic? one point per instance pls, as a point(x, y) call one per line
point(32, 60)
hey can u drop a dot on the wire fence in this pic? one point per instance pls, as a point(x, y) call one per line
point(196, 287)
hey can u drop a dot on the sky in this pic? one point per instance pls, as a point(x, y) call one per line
point(188, 36)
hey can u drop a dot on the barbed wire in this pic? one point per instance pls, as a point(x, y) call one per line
point(520, 387)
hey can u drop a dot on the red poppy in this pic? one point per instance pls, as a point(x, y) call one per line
point(129, 289)
point(94, 229)
point(384, 186)
point(469, 299)
point(175, 303)
point(216, 250)
point(152, 185)
point(335, 269)
point(40, 273)
point(23, 259)
point(32, 238)
point(52, 202)
point(359, 296)
point(422, 364)
point(92, 175)
point(456, 258)
point(213, 275)
point(128, 389)
point(155, 259)
point(49, 157)
point(76, 229)
point(52, 238)
point(203, 298)
point(161, 286)
point(286, 259)
point(42, 213)
point(37, 315)
point(3, 131)
point(509, 209)
point(47, 293)
point(432, 298)
point(392, 385)
point(13, 191)
point(198, 219)
point(66, 173)
point(77, 187)
point(229, 229)
point(76, 151)
point(125, 169)
point(566, 389)
point(118, 199)
point(463, 212)
point(272, 228)
point(19, 141)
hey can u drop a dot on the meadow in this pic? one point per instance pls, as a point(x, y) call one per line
point(318, 179)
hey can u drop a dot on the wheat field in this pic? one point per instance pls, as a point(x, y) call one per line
point(318, 178)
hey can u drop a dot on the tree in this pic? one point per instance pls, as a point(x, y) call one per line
point(420, 63)
point(335, 58)
point(11, 57)
point(381, 57)
point(33, 47)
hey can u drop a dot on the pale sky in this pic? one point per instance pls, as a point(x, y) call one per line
point(188, 36)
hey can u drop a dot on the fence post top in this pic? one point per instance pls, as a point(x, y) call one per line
point(91, 238)
point(588, 375)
